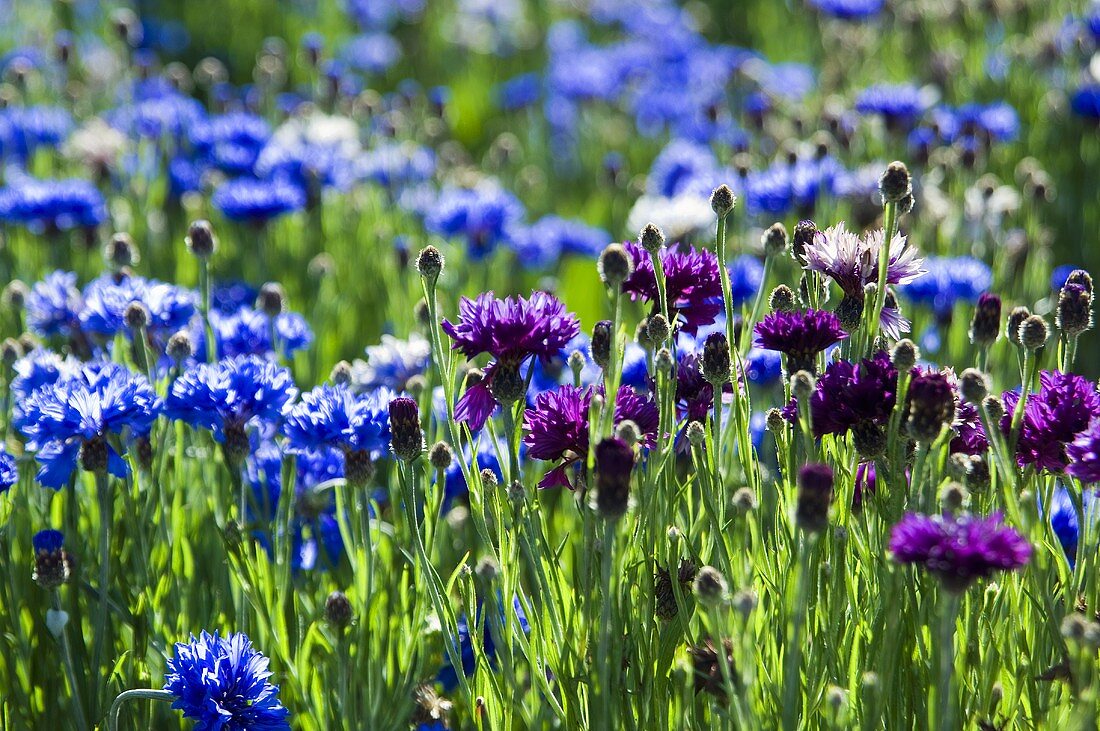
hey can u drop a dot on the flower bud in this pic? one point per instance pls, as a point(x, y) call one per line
point(775, 421)
point(440, 456)
point(1034, 333)
point(1074, 313)
point(338, 610)
point(600, 345)
point(895, 183)
point(271, 300)
point(628, 431)
point(10, 351)
point(973, 385)
point(716, 359)
point(802, 385)
point(774, 239)
point(905, 355)
point(986, 323)
point(745, 500)
point(804, 234)
point(931, 406)
point(120, 252)
point(52, 565)
point(201, 240)
point(651, 238)
point(15, 294)
point(782, 299)
point(815, 495)
point(710, 587)
point(429, 263)
point(722, 200)
point(615, 265)
point(663, 361)
point(614, 463)
point(136, 316)
point(696, 433)
point(658, 329)
point(952, 497)
point(576, 363)
point(406, 436)
point(341, 374)
point(1012, 325)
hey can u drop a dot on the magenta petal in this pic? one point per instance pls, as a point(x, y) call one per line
point(476, 406)
point(556, 477)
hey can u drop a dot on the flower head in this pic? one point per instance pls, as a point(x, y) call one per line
point(1062, 409)
point(107, 298)
point(692, 282)
point(448, 674)
point(1084, 454)
point(54, 304)
point(9, 472)
point(557, 427)
point(799, 335)
point(227, 396)
point(392, 363)
point(899, 105)
point(511, 330)
point(51, 205)
point(958, 550)
point(334, 417)
point(258, 201)
point(851, 396)
point(850, 10)
point(83, 417)
point(222, 685)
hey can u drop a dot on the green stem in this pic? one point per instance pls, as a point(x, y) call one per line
point(133, 695)
point(70, 671)
point(793, 666)
point(105, 519)
point(945, 707)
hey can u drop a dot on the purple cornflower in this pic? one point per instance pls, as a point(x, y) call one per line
point(931, 404)
point(1084, 454)
point(512, 331)
point(1064, 407)
point(692, 281)
point(970, 437)
point(851, 396)
point(958, 550)
point(852, 262)
point(222, 685)
point(799, 335)
point(228, 396)
point(86, 417)
point(558, 430)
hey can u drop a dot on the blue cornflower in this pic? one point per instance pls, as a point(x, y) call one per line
point(998, 121)
point(542, 244)
point(448, 674)
point(230, 395)
point(9, 472)
point(47, 541)
point(39, 368)
point(947, 281)
point(24, 129)
point(53, 305)
point(1060, 274)
point(316, 542)
point(222, 685)
point(1063, 519)
point(107, 298)
point(44, 206)
point(372, 53)
point(376, 14)
point(392, 363)
point(519, 92)
point(488, 458)
point(763, 367)
point(230, 142)
point(229, 296)
point(482, 216)
point(334, 417)
point(86, 416)
point(312, 151)
point(898, 104)
point(683, 166)
point(849, 9)
point(746, 278)
point(258, 201)
point(394, 165)
point(247, 331)
point(1086, 102)
point(163, 113)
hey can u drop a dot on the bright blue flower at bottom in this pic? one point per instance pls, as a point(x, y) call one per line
point(221, 684)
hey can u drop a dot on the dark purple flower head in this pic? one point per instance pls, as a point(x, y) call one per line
point(850, 395)
point(406, 436)
point(1063, 408)
point(970, 435)
point(557, 426)
point(692, 280)
point(1084, 454)
point(511, 330)
point(614, 463)
point(799, 335)
point(958, 550)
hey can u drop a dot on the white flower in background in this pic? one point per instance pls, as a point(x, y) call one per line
point(96, 145)
point(679, 216)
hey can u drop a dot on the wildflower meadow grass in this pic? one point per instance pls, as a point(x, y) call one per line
point(453, 364)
